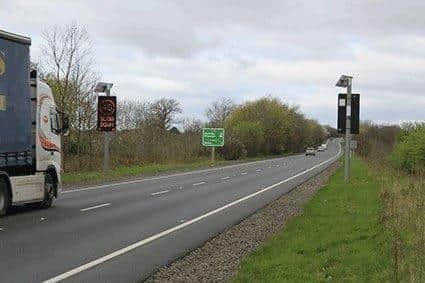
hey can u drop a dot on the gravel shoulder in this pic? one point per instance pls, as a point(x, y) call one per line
point(218, 259)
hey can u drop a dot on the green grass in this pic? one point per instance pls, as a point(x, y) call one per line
point(337, 238)
point(93, 177)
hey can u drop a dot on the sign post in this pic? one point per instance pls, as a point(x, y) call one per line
point(106, 118)
point(213, 137)
point(346, 81)
point(348, 134)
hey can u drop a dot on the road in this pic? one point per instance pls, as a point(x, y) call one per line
point(122, 232)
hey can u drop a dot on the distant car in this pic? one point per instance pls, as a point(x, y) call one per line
point(325, 146)
point(320, 148)
point(310, 151)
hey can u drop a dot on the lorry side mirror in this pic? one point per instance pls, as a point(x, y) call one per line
point(65, 124)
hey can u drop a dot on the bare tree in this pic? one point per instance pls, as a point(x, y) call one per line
point(219, 111)
point(67, 64)
point(131, 114)
point(163, 112)
point(193, 126)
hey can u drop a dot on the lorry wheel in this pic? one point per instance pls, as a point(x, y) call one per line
point(49, 191)
point(4, 198)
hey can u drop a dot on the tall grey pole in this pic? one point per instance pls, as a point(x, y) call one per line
point(106, 137)
point(212, 155)
point(348, 134)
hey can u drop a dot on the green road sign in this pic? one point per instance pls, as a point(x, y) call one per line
point(213, 137)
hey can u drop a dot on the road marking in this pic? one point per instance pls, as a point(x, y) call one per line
point(152, 238)
point(94, 207)
point(277, 165)
point(198, 184)
point(258, 170)
point(244, 173)
point(160, 193)
point(163, 177)
point(225, 178)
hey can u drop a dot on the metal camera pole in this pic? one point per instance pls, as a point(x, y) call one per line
point(348, 133)
point(346, 82)
point(106, 156)
point(103, 87)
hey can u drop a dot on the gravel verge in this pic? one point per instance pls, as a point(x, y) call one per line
point(218, 259)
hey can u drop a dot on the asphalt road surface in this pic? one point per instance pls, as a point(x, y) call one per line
point(122, 232)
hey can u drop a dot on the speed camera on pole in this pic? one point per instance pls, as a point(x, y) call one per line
point(106, 117)
point(346, 81)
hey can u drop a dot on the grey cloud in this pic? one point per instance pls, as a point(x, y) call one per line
point(200, 50)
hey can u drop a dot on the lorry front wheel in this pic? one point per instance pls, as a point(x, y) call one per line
point(4, 198)
point(49, 191)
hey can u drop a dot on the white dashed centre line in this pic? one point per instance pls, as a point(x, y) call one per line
point(94, 207)
point(226, 178)
point(160, 192)
point(198, 184)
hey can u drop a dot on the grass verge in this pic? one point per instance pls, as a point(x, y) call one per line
point(403, 216)
point(337, 238)
point(93, 177)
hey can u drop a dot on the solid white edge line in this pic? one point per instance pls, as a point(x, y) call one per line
point(225, 178)
point(160, 193)
point(164, 177)
point(198, 184)
point(129, 248)
point(94, 207)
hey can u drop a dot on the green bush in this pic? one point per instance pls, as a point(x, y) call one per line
point(409, 152)
point(267, 126)
point(252, 133)
point(233, 148)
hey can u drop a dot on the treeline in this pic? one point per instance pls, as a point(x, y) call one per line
point(268, 126)
point(150, 132)
point(153, 131)
point(401, 146)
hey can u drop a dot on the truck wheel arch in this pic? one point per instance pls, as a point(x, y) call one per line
point(5, 176)
point(52, 171)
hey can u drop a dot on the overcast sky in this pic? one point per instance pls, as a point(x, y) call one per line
point(197, 51)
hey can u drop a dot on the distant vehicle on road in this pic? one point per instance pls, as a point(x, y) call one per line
point(310, 151)
point(325, 146)
point(30, 130)
point(320, 148)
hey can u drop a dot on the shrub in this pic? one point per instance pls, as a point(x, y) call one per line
point(409, 152)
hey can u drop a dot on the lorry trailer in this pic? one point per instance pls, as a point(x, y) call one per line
point(31, 127)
